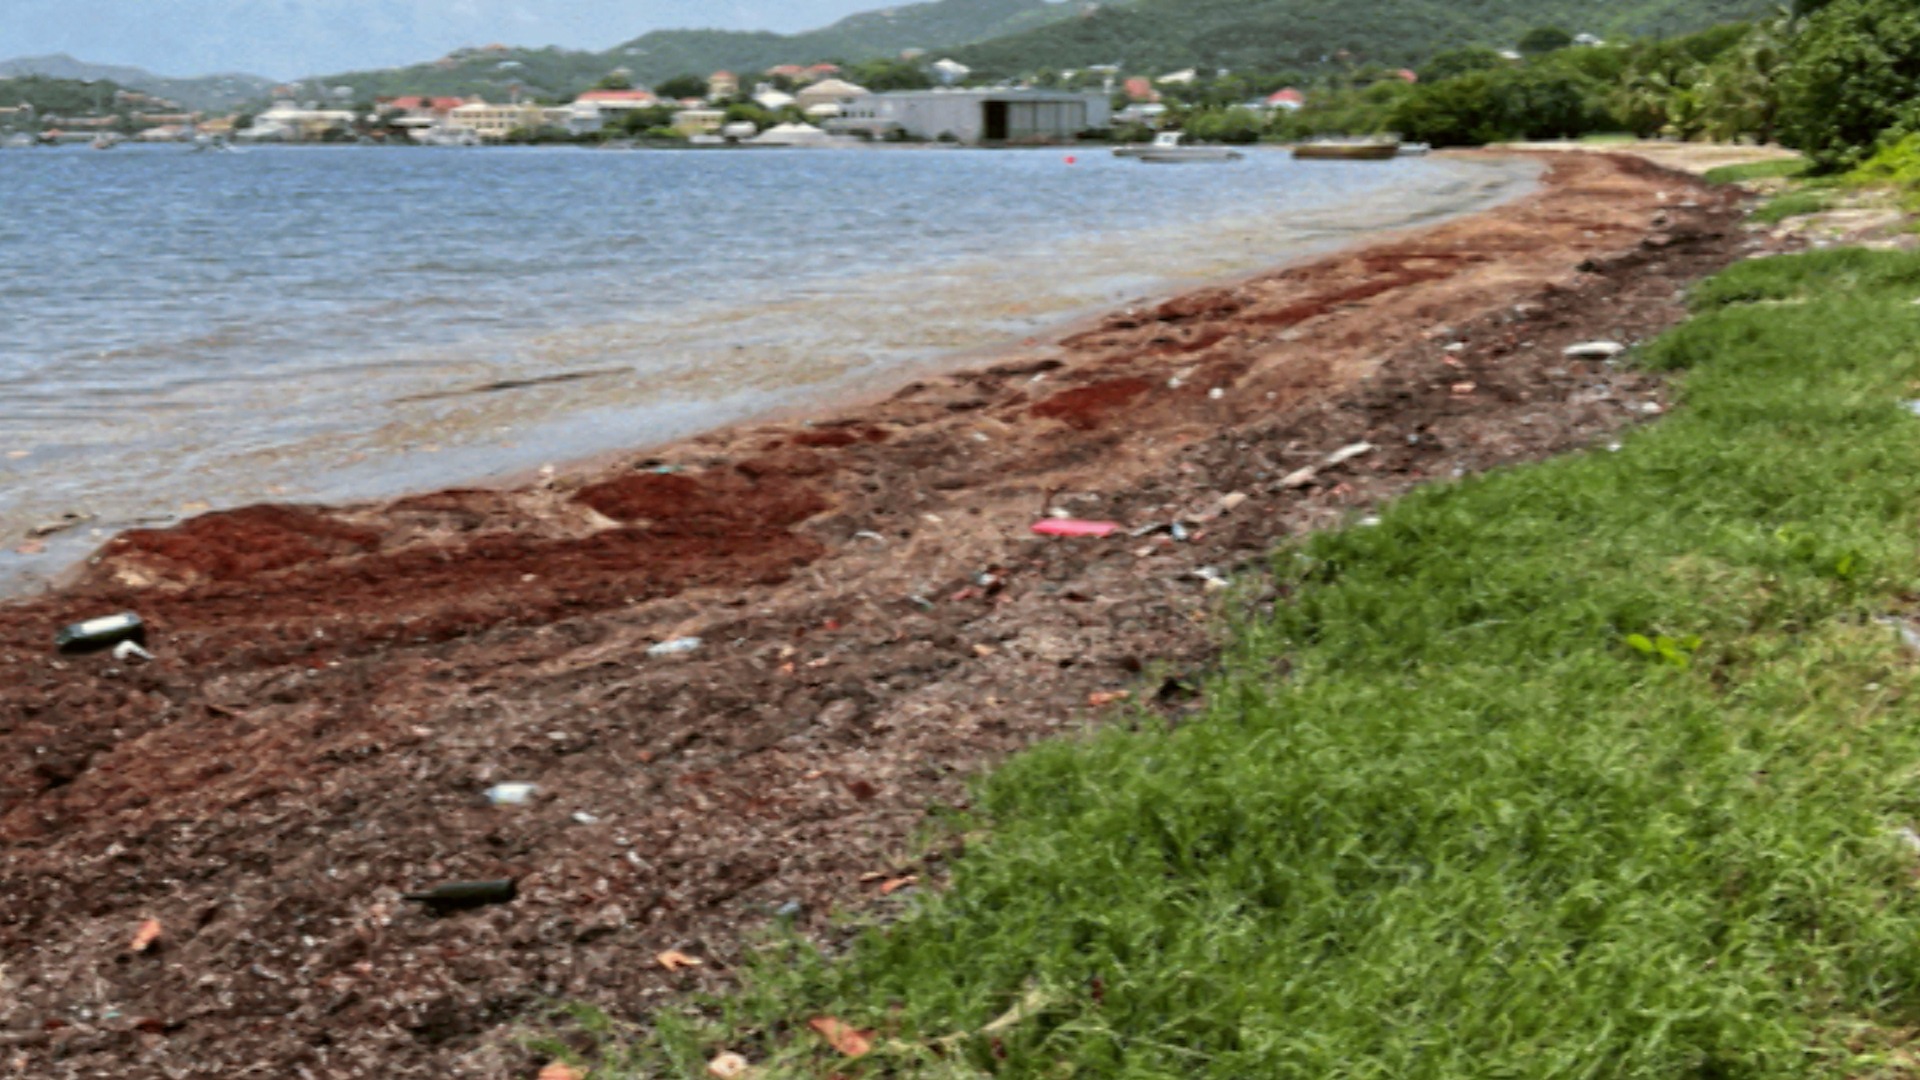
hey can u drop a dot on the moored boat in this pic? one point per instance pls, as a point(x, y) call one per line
point(1356, 150)
point(1168, 147)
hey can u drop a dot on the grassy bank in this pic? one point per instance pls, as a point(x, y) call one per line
point(1591, 768)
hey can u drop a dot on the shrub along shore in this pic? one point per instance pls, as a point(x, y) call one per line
point(1599, 767)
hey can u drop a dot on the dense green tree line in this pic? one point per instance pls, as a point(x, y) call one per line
point(1835, 78)
point(61, 97)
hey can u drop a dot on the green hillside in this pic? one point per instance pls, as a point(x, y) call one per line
point(1161, 35)
point(662, 54)
point(209, 92)
point(58, 97)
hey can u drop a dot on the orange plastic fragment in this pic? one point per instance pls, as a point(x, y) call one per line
point(144, 937)
point(674, 960)
point(850, 1041)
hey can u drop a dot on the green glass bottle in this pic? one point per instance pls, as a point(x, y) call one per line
point(461, 895)
point(95, 635)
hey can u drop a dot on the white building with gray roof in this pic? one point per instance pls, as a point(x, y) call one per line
point(976, 116)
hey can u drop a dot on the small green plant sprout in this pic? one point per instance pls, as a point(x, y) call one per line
point(1668, 650)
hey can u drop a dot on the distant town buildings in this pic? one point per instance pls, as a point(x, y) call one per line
point(950, 72)
point(592, 110)
point(975, 116)
point(827, 97)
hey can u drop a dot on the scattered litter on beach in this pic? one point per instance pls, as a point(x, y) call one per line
point(1593, 350)
point(675, 647)
point(1075, 527)
point(96, 635)
point(145, 937)
point(130, 650)
point(510, 794)
point(1347, 453)
point(464, 895)
point(1909, 636)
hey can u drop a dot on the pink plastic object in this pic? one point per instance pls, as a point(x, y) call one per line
point(1070, 527)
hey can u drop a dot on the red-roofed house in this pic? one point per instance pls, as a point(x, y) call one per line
point(722, 85)
point(620, 99)
point(1408, 75)
point(789, 71)
point(1286, 99)
point(1140, 88)
point(422, 108)
point(417, 115)
point(820, 71)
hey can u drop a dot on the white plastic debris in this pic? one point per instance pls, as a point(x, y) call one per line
point(1594, 350)
point(1299, 477)
point(511, 794)
point(1214, 578)
point(675, 647)
point(1908, 837)
point(1908, 635)
point(130, 650)
point(581, 817)
point(1912, 407)
point(1347, 453)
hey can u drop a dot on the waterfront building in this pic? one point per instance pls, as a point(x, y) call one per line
point(770, 99)
point(722, 85)
point(591, 110)
point(698, 121)
point(289, 122)
point(793, 135)
point(491, 123)
point(834, 92)
point(976, 116)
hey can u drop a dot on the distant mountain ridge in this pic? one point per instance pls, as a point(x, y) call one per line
point(1149, 36)
point(208, 93)
point(662, 54)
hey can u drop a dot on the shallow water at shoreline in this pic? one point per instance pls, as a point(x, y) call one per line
point(191, 331)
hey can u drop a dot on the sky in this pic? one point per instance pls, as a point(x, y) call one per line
point(290, 39)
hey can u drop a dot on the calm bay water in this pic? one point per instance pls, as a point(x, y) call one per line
point(180, 330)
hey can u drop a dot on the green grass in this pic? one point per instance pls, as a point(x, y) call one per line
point(1782, 168)
point(1583, 769)
point(1897, 166)
point(1795, 203)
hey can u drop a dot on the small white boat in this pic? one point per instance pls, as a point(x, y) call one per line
point(1168, 147)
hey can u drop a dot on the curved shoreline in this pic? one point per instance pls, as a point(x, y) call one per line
point(567, 394)
point(334, 686)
